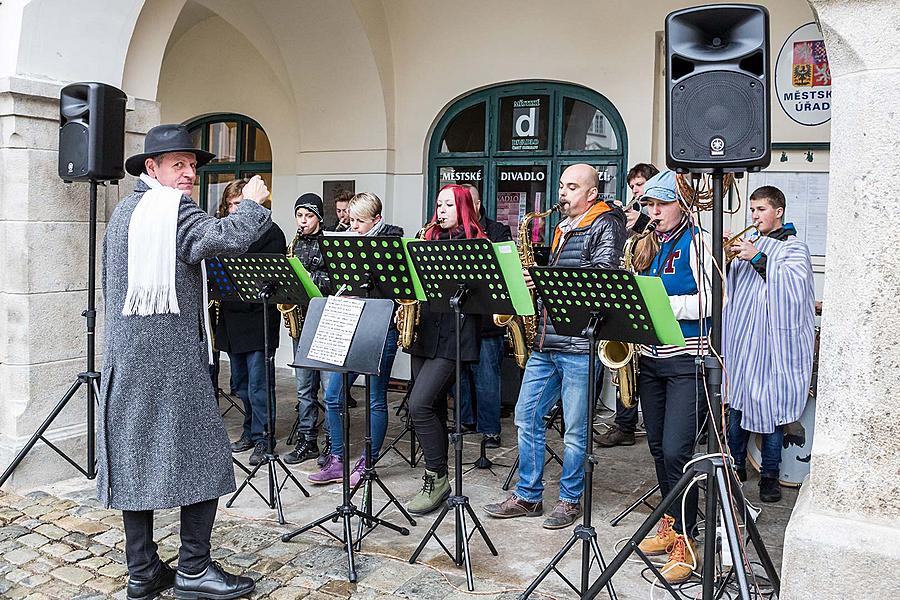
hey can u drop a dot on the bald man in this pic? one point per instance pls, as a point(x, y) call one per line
point(591, 234)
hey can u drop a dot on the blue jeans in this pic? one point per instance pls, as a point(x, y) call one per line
point(547, 374)
point(486, 373)
point(771, 446)
point(248, 379)
point(308, 381)
point(334, 388)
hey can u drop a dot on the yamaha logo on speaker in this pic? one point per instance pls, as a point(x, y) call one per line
point(71, 167)
point(717, 146)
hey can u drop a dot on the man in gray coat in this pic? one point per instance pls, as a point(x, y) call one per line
point(162, 442)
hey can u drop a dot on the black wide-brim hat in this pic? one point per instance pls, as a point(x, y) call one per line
point(162, 139)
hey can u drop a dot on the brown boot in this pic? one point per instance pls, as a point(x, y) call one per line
point(665, 536)
point(514, 507)
point(683, 559)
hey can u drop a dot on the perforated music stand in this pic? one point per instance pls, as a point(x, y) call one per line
point(371, 267)
point(220, 289)
point(363, 356)
point(268, 278)
point(608, 304)
point(467, 277)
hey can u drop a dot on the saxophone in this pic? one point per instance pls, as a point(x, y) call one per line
point(409, 313)
point(521, 330)
point(290, 313)
point(620, 357)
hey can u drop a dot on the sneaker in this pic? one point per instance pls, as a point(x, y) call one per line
point(434, 491)
point(258, 452)
point(305, 450)
point(358, 469)
point(242, 445)
point(659, 543)
point(515, 507)
point(769, 489)
point(615, 437)
point(325, 453)
point(492, 440)
point(683, 559)
point(331, 472)
point(563, 515)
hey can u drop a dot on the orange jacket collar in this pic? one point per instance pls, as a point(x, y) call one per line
point(593, 212)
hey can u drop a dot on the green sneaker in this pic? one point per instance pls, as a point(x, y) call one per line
point(434, 491)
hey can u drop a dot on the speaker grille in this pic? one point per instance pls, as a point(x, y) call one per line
point(718, 104)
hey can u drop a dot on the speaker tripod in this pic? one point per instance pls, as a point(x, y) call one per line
point(90, 377)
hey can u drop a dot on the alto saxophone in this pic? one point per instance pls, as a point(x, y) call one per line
point(620, 357)
point(521, 330)
point(409, 312)
point(290, 313)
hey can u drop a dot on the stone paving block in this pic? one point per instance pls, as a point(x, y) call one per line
point(36, 510)
point(104, 584)
point(32, 581)
point(427, 586)
point(98, 549)
point(110, 538)
point(51, 531)
point(12, 531)
point(9, 545)
point(94, 562)
point(29, 522)
point(20, 556)
point(33, 540)
point(339, 588)
point(56, 549)
point(243, 560)
point(73, 575)
point(54, 516)
point(76, 555)
point(289, 593)
point(45, 564)
point(112, 520)
point(220, 553)
point(78, 540)
point(8, 514)
point(390, 576)
point(82, 525)
point(113, 570)
point(115, 556)
point(17, 575)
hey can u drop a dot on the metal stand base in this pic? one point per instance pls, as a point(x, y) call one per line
point(232, 403)
point(642, 500)
point(415, 452)
point(484, 462)
point(273, 500)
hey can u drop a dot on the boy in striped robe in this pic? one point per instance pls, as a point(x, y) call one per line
point(769, 322)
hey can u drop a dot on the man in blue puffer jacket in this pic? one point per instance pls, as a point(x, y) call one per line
point(591, 234)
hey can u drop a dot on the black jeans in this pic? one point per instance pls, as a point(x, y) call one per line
point(674, 407)
point(193, 556)
point(433, 378)
point(626, 418)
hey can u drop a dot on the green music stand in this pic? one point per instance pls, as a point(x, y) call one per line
point(600, 304)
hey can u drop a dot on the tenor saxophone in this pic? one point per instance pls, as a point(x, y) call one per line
point(621, 357)
point(409, 312)
point(521, 330)
point(290, 313)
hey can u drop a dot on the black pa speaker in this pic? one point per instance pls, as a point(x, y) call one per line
point(717, 88)
point(91, 132)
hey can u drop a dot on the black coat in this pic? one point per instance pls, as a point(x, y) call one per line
point(496, 232)
point(240, 325)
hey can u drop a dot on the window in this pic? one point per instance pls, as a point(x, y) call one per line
point(512, 142)
point(242, 150)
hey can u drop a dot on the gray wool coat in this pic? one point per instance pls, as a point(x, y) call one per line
point(161, 440)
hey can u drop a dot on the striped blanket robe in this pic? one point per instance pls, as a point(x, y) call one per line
point(769, 331)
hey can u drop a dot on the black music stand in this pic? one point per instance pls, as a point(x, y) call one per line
point(371, 267)
point(363, 356)
point(599, 304)
point(268, 278)
point(467, 277)
point(218, 289)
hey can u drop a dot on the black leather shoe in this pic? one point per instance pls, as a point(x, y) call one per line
point(147, 590)
point(304, 451)
point(215, 583)
point(769, 489)
point(242, 445)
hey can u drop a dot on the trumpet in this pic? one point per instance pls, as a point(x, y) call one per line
point(730, 254)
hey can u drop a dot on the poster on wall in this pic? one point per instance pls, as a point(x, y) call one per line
point(806, 199)
point(803, 78)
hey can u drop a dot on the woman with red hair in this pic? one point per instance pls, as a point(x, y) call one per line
point(433, 355)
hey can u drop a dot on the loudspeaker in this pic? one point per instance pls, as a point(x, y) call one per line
point(717, 88)
point(91, 132)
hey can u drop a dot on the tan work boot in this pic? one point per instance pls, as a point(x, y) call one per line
point(682, 561)
point(665, 536)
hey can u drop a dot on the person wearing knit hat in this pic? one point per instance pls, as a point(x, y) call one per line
point(308, 211)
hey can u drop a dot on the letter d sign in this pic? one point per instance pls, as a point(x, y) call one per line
point(525, 121)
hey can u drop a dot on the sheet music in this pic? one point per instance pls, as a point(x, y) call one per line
point(340, 318)
point(806, 196)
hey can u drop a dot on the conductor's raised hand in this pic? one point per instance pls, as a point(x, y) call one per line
point(256, 190)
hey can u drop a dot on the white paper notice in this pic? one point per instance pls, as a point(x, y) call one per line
point(336, 328)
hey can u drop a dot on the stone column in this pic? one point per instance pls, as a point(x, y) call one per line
point(43, 282)
point(842, 539)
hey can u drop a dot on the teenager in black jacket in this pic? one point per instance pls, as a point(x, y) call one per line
point(433, 355)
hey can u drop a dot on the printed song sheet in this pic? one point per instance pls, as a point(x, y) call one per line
point(806, 196)
point(336, 328)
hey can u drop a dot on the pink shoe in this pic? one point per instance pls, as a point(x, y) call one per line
point(331, 472)
point(358, 469)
